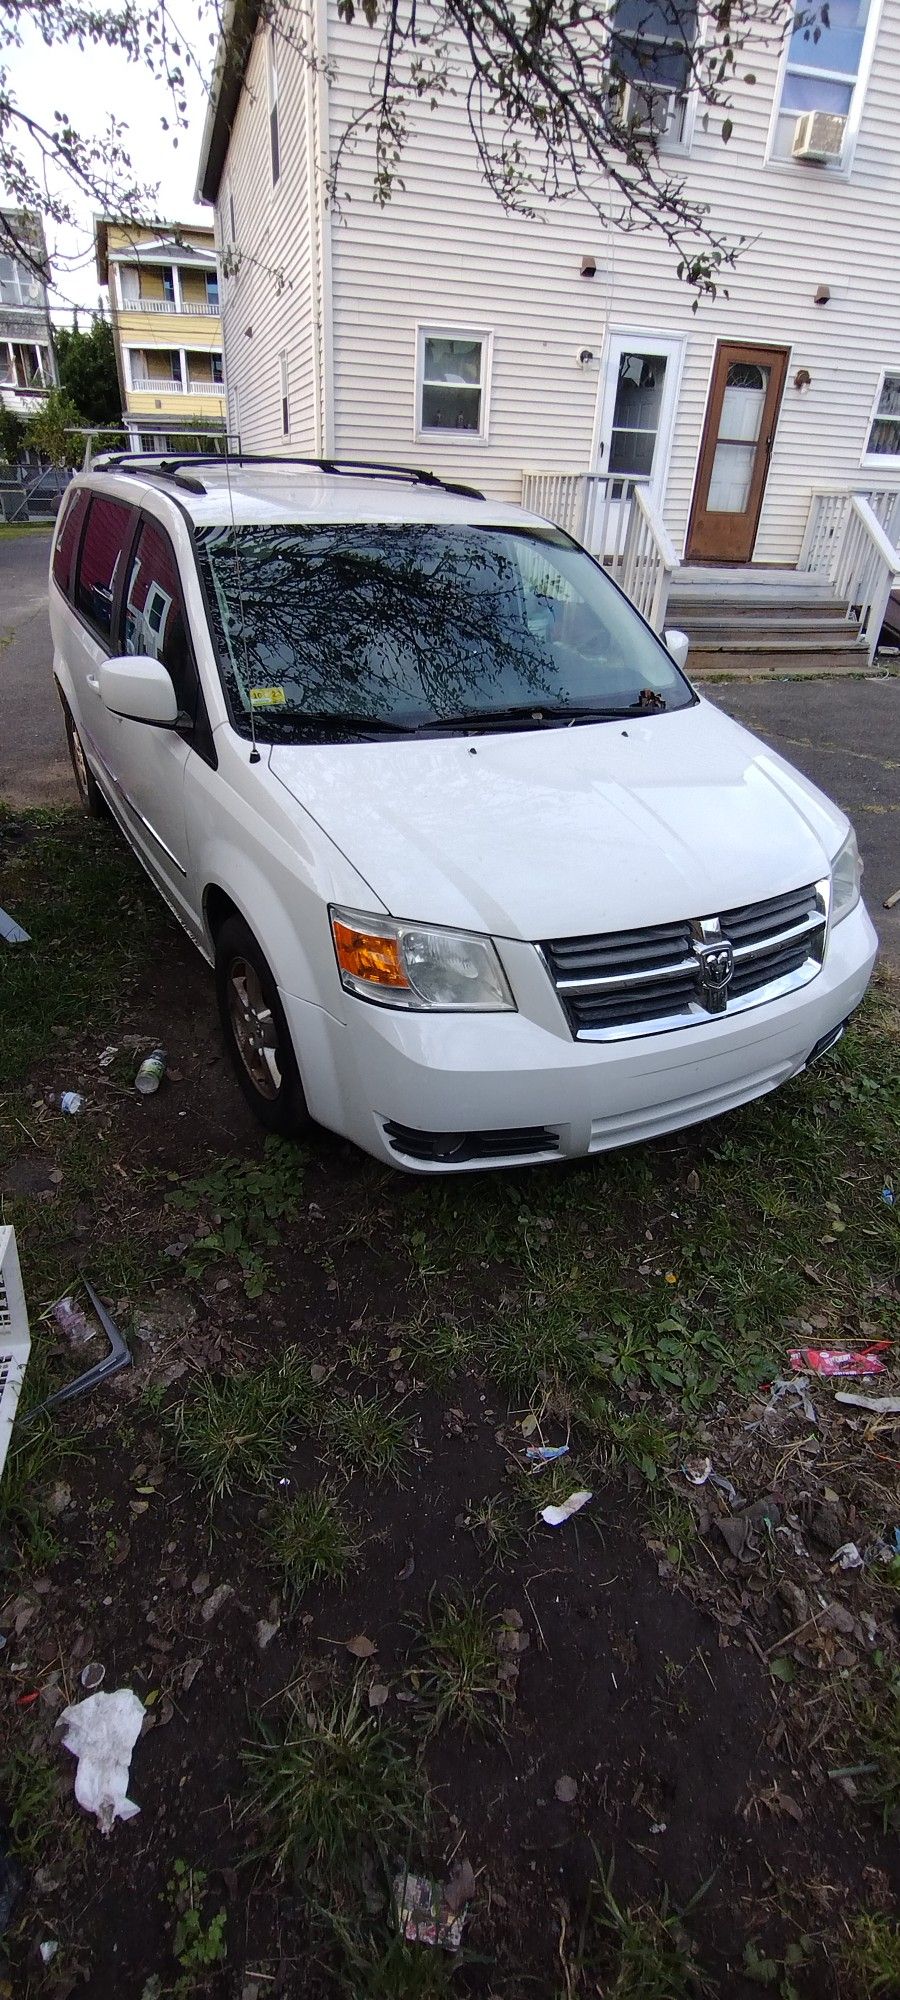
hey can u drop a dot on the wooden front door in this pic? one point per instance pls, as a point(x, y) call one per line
point(741, 415)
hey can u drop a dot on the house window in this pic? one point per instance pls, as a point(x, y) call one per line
point(18, 285)
point(453, 382)
point(285, 395)
point(23, 365)
point(168, 282)
point(272, 73)
point(650, 56)
point(212, 289)
point(824, 65)
point(884, 428)
point(216, 364)
point(231, 215)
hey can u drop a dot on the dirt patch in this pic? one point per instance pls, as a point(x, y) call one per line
point(645, 1680)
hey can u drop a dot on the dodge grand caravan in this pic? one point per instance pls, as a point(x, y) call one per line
point(483, 879)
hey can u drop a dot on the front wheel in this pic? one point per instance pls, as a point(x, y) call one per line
point(256, 1033)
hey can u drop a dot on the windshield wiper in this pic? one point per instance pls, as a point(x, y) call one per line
point(648, 703)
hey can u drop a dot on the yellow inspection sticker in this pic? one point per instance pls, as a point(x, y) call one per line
point(272, 697)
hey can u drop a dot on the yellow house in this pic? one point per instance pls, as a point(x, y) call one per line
point(163, 285)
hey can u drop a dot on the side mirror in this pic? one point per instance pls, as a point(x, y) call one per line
point(139, 688)
point(679, 645)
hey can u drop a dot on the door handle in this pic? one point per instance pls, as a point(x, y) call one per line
point(93, 683)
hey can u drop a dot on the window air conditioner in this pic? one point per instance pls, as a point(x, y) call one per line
point(819, 135)
point(645, 109)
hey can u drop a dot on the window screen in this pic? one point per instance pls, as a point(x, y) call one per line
point(108, 529)
point(67, 539)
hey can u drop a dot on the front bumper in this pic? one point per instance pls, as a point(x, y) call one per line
point(384, 1075)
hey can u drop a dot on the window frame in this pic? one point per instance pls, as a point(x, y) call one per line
point(843, 167)
point(880, 461)
point(432, 330)
point(284, 388)
point(212, 278)
point(272, 100)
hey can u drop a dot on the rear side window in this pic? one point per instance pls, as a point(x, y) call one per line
point(155, 620)
point(108, 529)
point(67, 539)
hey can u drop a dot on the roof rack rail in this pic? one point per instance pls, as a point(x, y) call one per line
point(350, 468)
point(150, 464)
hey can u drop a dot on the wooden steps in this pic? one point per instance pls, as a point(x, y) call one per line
point(751, 619)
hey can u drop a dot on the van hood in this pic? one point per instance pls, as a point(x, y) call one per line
point(553, 832)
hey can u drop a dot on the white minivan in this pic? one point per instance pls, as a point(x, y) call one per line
point(483, 879)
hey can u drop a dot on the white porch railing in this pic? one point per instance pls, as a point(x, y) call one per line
point(187, 309)
point(616, 519)
point(846, 540)
point(648, 560)
point(169, 385)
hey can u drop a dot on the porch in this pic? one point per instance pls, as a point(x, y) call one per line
point(825, 613)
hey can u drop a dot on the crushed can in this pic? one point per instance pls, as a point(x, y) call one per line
point(151, 1073)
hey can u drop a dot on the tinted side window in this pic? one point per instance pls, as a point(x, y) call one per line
point(67, 539)
point(155, 619)
point(108, 529)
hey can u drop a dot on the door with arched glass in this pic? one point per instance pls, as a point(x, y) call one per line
point(741, 414)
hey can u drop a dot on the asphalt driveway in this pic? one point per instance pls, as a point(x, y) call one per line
point(843, 733)
point(34, 761)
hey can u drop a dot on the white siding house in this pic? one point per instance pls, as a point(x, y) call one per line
point(442, 332)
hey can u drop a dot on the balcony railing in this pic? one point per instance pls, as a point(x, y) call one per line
point(187, 308)
point(168, 385)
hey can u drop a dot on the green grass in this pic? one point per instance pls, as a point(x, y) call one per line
point(437, 1352)
point(871, 1956)
point(457, 1666)
point(308, 1540)
point(329, 1788)
point(93, 919)
point(873, 1738)
point(237, 1430)
point(499, 1524)
point(31, 1788)
point(366, 1435)
point(199, 1941)
point(244, 1205)
point(636, 1953)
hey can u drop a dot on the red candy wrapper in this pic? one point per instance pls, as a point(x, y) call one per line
point(840, 1360)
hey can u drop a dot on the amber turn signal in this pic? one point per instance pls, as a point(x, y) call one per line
point(366, 956)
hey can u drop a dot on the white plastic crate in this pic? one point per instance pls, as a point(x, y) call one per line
point(15, 1339)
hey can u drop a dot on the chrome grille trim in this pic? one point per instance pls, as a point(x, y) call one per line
point(615, 986)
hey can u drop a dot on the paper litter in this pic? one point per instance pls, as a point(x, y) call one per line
point(102, 1732)
point(555, 1516)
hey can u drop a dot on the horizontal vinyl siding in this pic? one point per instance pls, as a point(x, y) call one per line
point(260, 318)
point(442, 252)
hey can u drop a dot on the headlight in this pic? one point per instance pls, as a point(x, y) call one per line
point(846, 875)
point(417, 965)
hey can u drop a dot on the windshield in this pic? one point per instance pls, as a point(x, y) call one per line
point(419, 626)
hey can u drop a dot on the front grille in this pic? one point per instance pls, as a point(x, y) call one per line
point(456, 1149)
point(622, 983)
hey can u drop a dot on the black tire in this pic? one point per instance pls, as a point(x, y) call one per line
point(92, 799)
point(256, 1033)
